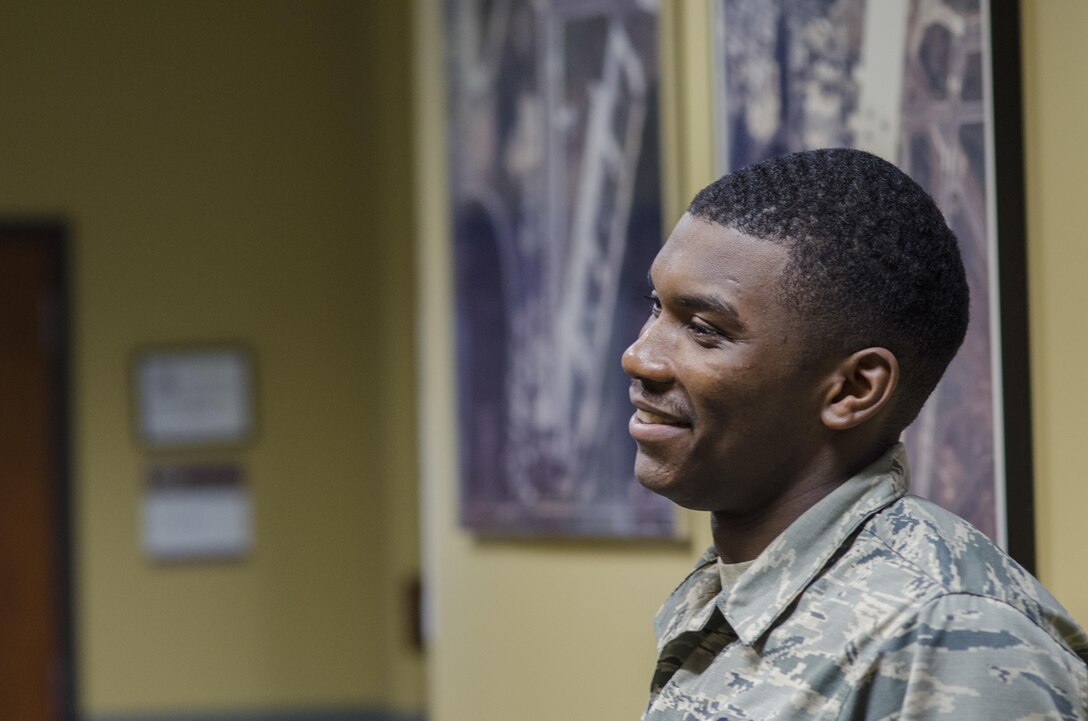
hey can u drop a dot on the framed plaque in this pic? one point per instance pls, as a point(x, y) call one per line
point(192, 396)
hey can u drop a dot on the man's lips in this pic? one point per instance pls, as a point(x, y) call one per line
point(653, 425)
point(644, 416)
point(661, 409)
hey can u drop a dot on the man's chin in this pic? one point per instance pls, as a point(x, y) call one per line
point(658, 479)
point(670, 483)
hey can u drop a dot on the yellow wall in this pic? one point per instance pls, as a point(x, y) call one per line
point(546, 630)
point(234, 171)
point(1056, 154)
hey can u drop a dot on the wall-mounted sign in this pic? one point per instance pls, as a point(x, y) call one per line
point(193, 512)
point(194, 396)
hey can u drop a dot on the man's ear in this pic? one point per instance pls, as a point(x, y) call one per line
point(861, 387)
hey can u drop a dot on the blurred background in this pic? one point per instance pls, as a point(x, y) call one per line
point(271, 174)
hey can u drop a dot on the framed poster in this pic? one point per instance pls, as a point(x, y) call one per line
point(919, 83)
point(554, 183)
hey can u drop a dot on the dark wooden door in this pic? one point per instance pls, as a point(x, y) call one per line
point(34, 650)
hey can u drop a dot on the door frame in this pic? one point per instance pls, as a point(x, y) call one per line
point(52, 235)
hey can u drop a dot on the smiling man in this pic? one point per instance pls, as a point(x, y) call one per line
point(803, 309)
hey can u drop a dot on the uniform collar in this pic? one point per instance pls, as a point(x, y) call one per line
point(779, 574)
point(800, 552)
point(690, 606)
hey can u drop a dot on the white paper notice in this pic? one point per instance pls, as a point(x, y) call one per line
point(196, 512)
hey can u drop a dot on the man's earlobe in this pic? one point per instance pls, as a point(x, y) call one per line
point(862, 386)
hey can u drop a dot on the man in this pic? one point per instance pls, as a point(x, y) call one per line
point(802, 311)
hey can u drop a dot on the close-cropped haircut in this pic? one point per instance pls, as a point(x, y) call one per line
point(871, 261)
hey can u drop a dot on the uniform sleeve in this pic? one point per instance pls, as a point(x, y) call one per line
point(971, 658)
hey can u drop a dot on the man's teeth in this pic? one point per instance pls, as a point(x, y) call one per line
point(647, 417)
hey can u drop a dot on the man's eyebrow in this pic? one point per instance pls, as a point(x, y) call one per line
point(695, 303)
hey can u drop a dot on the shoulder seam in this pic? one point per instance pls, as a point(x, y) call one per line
point(921, 571)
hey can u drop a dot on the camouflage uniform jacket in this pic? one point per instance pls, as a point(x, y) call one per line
point(872, 605)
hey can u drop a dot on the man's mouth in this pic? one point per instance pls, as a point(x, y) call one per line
point(648, 417)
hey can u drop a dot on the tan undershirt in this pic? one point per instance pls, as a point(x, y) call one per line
point(730, 572)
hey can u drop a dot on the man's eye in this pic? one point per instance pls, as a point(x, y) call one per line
point(704, 332)
point(699, 328)
point(655, 303)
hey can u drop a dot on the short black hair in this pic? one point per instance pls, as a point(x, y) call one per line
point(871, 260)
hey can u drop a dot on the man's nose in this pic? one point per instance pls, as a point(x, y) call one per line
point(647, 358)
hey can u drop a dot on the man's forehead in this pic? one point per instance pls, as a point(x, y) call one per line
point(699, 251)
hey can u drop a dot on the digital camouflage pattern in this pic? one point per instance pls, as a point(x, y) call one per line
point(872, 605)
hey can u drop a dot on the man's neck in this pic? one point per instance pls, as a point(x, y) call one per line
point(741, 537)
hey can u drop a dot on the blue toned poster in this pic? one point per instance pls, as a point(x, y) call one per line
point(554, 182)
